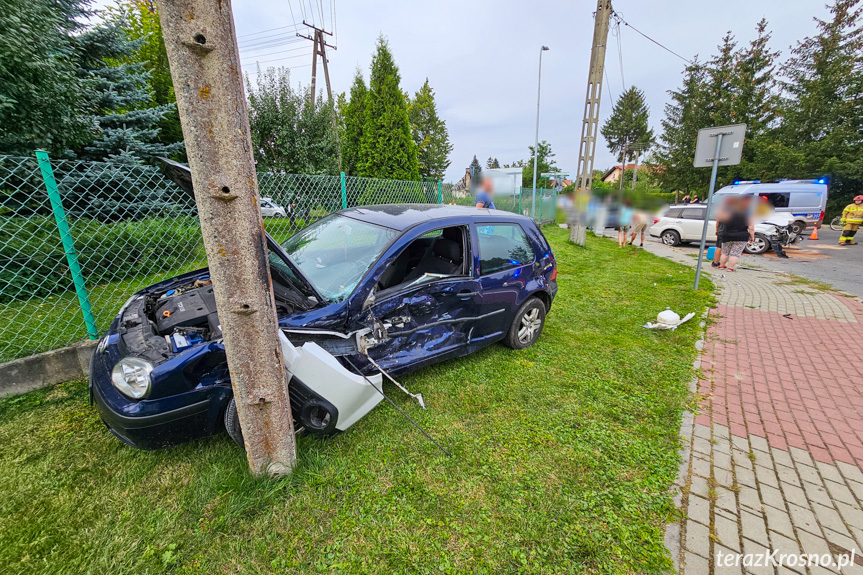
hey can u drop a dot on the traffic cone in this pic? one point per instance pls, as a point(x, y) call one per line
point(814, 235)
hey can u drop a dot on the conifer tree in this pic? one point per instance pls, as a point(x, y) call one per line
point(354, 122)
point(429, 134)
point(387, 149)
point(627, 130)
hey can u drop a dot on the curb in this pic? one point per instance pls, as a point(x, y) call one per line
point(673, 534)
point(45, 369)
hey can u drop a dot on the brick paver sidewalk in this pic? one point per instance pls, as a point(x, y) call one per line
point(775, 454)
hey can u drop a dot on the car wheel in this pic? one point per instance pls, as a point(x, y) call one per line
point(232, 423)
point(798, 227)
point(757, 246)
point(527, 325)
point(670, 238)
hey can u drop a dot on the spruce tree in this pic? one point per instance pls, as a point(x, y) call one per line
point(685, 114)
point(124, 120)
point(627, 130)
point(387, 149)
point(475, 169)
point(823, 107)
point(354, 122)
point(140, 19)
point(429, 134)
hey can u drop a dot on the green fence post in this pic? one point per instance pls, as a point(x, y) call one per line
point(541, 196)
point(344, 193)
point(440, 191)
point(68, 243)
point(519, 200)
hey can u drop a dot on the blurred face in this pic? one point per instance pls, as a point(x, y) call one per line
point(858, 202)
point(488, 186)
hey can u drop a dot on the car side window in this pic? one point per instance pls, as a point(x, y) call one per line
point(502, 246)
point(780, 200)
point(436, 254)
point(673, 213)
point(692, 214)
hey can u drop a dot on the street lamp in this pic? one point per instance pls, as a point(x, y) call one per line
point(536, 139)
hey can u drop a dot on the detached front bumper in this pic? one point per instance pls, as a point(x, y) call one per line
point(151, 424)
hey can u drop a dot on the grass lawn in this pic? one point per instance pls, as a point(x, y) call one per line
point(564, 455)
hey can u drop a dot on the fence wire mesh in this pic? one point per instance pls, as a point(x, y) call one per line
point(132, 227)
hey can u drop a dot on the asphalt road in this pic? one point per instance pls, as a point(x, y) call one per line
point(822, 260)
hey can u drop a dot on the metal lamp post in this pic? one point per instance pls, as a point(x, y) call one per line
point(536, 138)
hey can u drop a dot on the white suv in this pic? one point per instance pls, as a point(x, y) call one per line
point(683, 223)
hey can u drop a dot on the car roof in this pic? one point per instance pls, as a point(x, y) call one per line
point(403, 216)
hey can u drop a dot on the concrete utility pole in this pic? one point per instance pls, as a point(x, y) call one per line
point(202, 50)
point(590, 125)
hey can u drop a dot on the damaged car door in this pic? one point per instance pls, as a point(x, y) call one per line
point(425, 301)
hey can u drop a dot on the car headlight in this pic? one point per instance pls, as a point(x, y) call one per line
point(131, 377)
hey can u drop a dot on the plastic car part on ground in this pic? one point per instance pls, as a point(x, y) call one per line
point(350, 395)
point(669, 320)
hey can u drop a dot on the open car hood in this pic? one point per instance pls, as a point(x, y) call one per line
point(181, 175)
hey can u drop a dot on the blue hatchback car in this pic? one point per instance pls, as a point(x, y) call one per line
point(390, 287)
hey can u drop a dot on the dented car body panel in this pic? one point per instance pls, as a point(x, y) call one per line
point(445, 281)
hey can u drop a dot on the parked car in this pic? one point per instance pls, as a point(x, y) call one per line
point(394, 286)
point(804, 200)
point(270, 209)
point(683, 223)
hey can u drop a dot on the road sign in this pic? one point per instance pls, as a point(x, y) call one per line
point(730, 151)
point(719, 146)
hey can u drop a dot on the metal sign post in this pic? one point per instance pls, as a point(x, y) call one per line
point(727, 144)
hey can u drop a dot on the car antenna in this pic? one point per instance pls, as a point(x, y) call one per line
point(408, 417)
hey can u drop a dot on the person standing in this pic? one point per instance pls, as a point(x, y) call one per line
point(685, 199)
point(639, 226)
point(738, 231)
point(484, 197)
point(623, 222)
point(852, 217)
point(694, 199)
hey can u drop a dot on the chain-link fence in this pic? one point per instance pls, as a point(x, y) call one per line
point(78, 238)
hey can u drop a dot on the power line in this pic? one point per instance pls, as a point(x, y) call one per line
point(268, 30)
point(666, 48)
point(620, 55)
point(303, 47)
point(270, 42)
point(256, 72)
point(275, 59)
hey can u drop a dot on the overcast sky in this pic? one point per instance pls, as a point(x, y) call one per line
point(481, 57)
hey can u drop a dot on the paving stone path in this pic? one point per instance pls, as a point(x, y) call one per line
point(773, 457)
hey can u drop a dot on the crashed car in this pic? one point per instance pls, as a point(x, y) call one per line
point(365, 291)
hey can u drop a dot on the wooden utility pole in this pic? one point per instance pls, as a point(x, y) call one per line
point(590, 125)
point(320, 49)
point(202, 50)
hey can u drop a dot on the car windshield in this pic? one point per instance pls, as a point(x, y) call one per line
point(334, 253)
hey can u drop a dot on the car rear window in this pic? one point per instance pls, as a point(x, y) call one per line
point(502, 246)
point(673, 213)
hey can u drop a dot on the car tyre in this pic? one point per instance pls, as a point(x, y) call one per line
point(232, 423)
point(527, 325)
point(757, 246)
point(670, 238)
point(799, 227)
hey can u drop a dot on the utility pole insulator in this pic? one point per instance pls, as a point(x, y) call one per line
point(202, 50)
point(590, 125)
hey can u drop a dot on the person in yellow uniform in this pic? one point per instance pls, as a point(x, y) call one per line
point(852, 217)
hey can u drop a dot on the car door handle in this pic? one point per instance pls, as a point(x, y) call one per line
point(467, 294)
